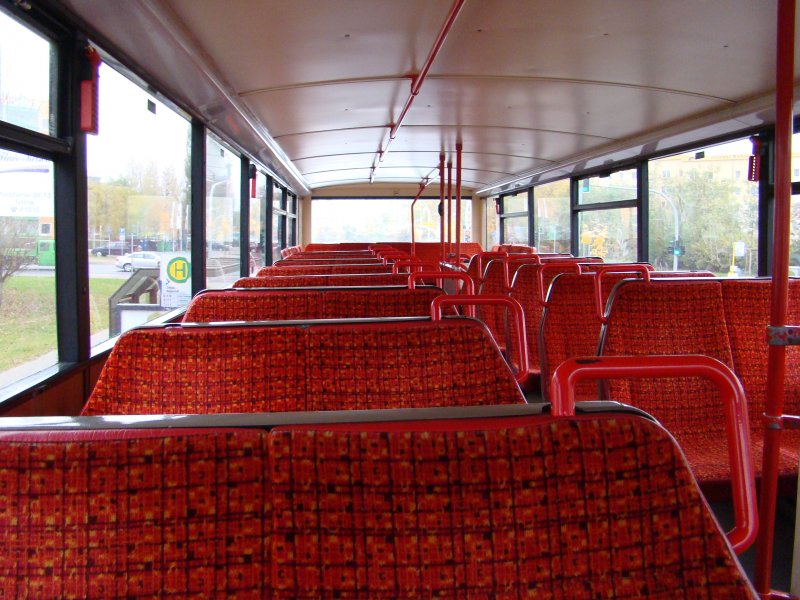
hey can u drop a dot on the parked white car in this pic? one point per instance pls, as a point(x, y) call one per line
point(139, 260)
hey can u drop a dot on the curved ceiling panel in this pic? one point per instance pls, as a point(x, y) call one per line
point(312, 87)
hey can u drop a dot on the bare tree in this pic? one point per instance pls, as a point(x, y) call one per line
point(17, 247)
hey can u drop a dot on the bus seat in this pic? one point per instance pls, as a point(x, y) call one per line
point(570, 323)
point(747, 314)
point(600, 506)
point(321, 303)
point(673, 317)
point(368, 279)
point(291, 366)
point(341, 269)
point(134, 513)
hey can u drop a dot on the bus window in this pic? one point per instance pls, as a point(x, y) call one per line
point(223, 202)
point(607, 216)
point(704, 211)
point(139, 200)
point(25, 89)
point(27, 274)
point(551, 201)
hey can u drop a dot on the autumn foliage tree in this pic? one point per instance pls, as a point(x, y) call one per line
point(17, 247)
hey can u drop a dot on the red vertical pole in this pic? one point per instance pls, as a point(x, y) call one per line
point(776, 365)
point(441, 206)
point(413, 237)
point(458, 203)
point(449, 207)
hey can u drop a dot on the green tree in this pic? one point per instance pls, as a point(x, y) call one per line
point(714, 214)
point(17, 247)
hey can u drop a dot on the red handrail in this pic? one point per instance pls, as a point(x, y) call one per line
point(563, 267)
point(570, 372)
point(419, 78)
point(598, 273)
point(422, 187)
point(491, 299)
point(520, 259)
point(449, 210)
point(441, 207)
point(776, 357)
point(414, 264)
point(459, 147)
point(467, 288)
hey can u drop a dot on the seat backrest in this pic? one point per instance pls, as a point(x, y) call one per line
point(568, 508)
point(494, 283)
point(671, 317)
point(144, 513)
point(526, 288)
point(453, 362)
point(747, 315)
point(367, 279)
point(570, 324)
point(224, 369)
point(278, 304)
point(570, 327)
point(297, 366)
point(253, 305)
point(316, 269)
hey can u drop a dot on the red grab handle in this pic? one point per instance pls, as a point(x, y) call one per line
point(568, 373)
point(491, 299)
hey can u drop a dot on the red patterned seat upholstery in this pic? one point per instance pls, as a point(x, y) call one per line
point(570, 327)
point(747, 314)
point(526, 288)
point(494, 316)
point(368, 279)
point(674, 317)
point(316, 269)
point(135, 513)
point(320, 303)
point(568, 508)
point(175, 370)
point(306, 366)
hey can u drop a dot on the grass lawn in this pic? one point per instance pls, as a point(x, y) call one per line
point(28, 316)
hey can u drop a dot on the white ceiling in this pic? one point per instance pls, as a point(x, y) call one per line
point(525, 85)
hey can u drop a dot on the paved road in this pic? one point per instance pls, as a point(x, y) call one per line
point(99, 267)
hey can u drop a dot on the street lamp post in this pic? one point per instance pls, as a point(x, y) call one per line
point(677, 233)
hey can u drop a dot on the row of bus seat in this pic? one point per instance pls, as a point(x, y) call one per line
point(275, 304)
point(324, 269)
point(402, 506)
point(690, 320)
point(505, 506)
point(355, 279)
point(302, 365)
point(722, 318)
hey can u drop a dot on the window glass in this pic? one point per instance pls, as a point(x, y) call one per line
point(381, 220)
point(617, 187)
point(257, 231)
point(139, 200)
point(466, 221)
point(516, 204)
point(279, 199)
point(515, 230)
point(26, 77)
point(492, 223)
point(609, 234)
point(223, 202)
point(27, 267)
point(704, 211)
point(291, 239)
point(552, 217)
point(278, 220)
point(794, 236)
